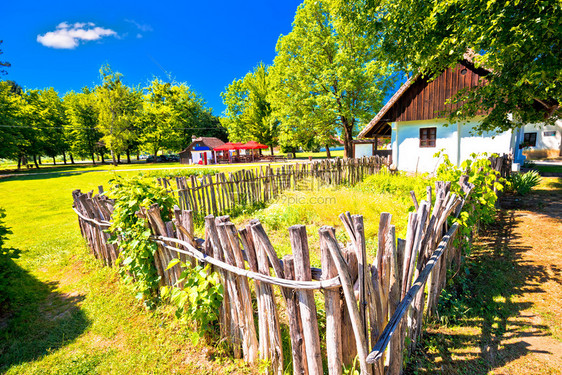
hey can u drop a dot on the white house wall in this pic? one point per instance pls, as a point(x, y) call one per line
point(490, 142)
point(409, 156)
point(406, 142)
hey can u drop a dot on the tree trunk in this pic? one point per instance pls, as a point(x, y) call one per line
point(119, 158)
point(294, 151)
point(64, 157)
point(54, 161)
point(102, 158)
point(35, 161)
point(71, 158)
point(39, 157)
point(138, 155)
point(128, 156)
point(328, 154)
point(271, 147)
point(93, 159)
point(348, 138)
point(19, 162)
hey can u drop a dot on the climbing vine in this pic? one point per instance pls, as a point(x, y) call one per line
point(132, 233)
point(480, 208)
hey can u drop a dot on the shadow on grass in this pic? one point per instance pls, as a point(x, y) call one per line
point(475, 307)
point(34, 319)
point(546, 199)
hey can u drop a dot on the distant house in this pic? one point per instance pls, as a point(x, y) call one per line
point(541, 141)
point(415, 119)
point(200, 151)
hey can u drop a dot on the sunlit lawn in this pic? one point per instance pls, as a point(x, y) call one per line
point(70, 315)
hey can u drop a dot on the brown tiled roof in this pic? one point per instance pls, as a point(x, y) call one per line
point(210, 142)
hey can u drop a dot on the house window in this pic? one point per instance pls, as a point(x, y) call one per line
point(427, 137)
point(550, 133)
point(530, 139)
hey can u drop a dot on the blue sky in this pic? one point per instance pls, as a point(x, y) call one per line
point(206, 44)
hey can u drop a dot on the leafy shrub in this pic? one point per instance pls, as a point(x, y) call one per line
point(132, 232)
point(522, 183)
point(481, 207)
point(397, 184)
point(4, 231)
point(200, 296)
point(6, 256)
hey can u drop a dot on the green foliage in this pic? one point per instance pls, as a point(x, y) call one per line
point(6, 270)
point(480, 208)
point(9, 110)
point(248, 114)
point(82, 132)
point(197, 295)
point(398, 184)
point(171, 113)
point(519, 42)
point(522, 183)
point(118, 107)
point(326, 77)
point(136, 259)
point(4, 231)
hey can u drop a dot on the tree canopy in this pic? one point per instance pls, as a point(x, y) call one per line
point(248, 114)
point(520, 42)
point(327, 78)
point(118, 106)
point(82, 114)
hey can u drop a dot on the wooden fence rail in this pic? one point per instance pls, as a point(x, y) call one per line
point(222, 193)
point(364, 303)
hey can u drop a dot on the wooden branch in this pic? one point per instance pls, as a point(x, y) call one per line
point(299, 244)
point(350, 300)
point(402, 308)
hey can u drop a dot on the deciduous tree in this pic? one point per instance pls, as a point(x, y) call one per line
point(519, 41)
point(327, 78)
point(118, 107)
point(248, 114)
point(82, 113)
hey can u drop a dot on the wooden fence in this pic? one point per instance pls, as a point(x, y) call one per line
point(222, 193)
point(365, 304)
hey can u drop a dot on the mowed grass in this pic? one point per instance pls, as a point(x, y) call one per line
point(71, 315)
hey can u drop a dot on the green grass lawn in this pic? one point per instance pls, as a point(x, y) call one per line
point(70, 315)
point(548, 168)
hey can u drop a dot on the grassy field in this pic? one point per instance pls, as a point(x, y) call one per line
point(70, 315)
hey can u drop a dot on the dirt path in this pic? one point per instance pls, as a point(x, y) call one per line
point(504, 316)
point(538, 334)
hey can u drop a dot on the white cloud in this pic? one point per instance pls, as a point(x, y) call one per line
point(141, 26)
point(69, 36)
